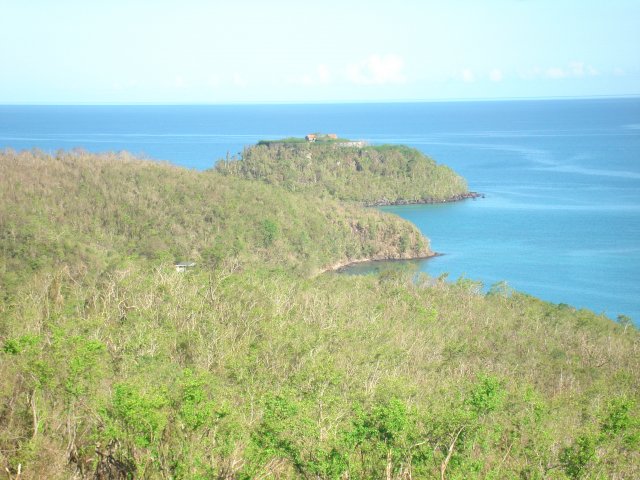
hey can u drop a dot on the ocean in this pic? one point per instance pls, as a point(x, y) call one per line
point(561, 215)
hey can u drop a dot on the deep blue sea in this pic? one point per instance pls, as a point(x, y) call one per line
point(561, 216)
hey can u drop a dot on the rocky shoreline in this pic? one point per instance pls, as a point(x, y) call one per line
point(339, 267)
point(426, 201)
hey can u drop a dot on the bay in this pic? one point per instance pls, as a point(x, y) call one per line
point(561, 178)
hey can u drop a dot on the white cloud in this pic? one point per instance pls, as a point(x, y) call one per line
point(496, 75)
point(377, 70)
point(468, 75)
point(574, 69)
point(618, 72)
point(321, 76)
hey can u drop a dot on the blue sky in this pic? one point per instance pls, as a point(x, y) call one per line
point(196, 51)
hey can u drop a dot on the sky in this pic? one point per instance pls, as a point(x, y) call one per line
point(245, 51)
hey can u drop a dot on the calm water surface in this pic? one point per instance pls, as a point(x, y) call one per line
point(561, 217)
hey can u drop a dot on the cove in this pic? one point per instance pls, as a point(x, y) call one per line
point(560, 253)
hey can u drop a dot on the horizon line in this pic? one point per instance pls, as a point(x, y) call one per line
point(323, 102)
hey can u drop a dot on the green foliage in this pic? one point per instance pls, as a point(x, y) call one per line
point(621, 423)
point(487, 395)
point(382, 437)
point(126, 209)
point(625, 321)
point(270, 231)
point(11, 347)
point(138, 415)
point(283, 140)
point(372, 175)
point(114, 365)
point(25, 343)
point(617, 418)
point(277, 432)
point(82, 358)
point(195, 409)
point(576, 458)
point(385, 423)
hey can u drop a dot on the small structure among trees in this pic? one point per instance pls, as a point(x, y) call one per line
point(313, 137)
point(184, 266)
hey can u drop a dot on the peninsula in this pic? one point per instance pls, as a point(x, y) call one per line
point(349, 171)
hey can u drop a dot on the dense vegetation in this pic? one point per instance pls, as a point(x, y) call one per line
point(373, 175)
point(114, 365)
point(79, 207)
point(318, 138)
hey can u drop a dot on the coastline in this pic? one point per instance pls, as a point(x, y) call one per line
point(426, 201)
point(338, 267)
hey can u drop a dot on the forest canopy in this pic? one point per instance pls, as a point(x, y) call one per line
point(374, 175)
point(251, 364)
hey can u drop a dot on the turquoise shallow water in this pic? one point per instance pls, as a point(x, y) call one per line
point(585, 257)
point(561, 217)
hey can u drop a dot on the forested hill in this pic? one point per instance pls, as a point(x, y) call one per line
point(113, 365)
point(372, 175)
point(79, 207)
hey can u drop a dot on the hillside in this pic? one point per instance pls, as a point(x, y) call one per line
point(78, 207)
point(372, 175)
point(113, 365)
